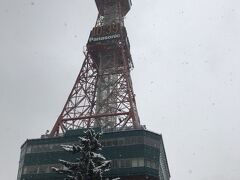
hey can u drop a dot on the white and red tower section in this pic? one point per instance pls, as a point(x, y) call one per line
point(102, 95)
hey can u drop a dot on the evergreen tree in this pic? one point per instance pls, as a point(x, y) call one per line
point(89, 165)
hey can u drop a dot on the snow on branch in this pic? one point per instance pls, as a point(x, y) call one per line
point(89, 164)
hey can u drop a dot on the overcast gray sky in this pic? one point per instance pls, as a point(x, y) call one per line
point(186, 77)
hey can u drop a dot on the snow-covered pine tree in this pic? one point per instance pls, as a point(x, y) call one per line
point(89, 165)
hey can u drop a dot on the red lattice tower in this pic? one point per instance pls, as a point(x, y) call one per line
point(103, 95)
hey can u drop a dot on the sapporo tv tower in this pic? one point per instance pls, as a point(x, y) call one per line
point(103, 94)
point(101, 98)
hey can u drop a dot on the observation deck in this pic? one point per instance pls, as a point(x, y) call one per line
point(125, 5)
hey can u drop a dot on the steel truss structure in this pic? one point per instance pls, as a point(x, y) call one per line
point(102, 95)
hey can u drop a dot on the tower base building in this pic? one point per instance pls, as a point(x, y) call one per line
point(135, 155)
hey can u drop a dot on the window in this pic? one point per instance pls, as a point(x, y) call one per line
point(134, 163)
point(115, 164)
point(123, 163)
point(141, 162)
point(128, 163)
point(43, 169)
point(128, 141)
point(120, 142)
point(32, 170)
point(148, 164)
point(134, 140)
point(115, 142)
point(140, 140)
point(29, 148)
point(109, 143)
point(25, 170)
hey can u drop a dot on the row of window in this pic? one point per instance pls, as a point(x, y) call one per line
point(136, 162)
point(115, 164)
point(164, 164)
point(44, 148)
point(106, 143)
point(40, 169)
point(123, 141)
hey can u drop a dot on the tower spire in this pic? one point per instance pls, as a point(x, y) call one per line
point(102, 95)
